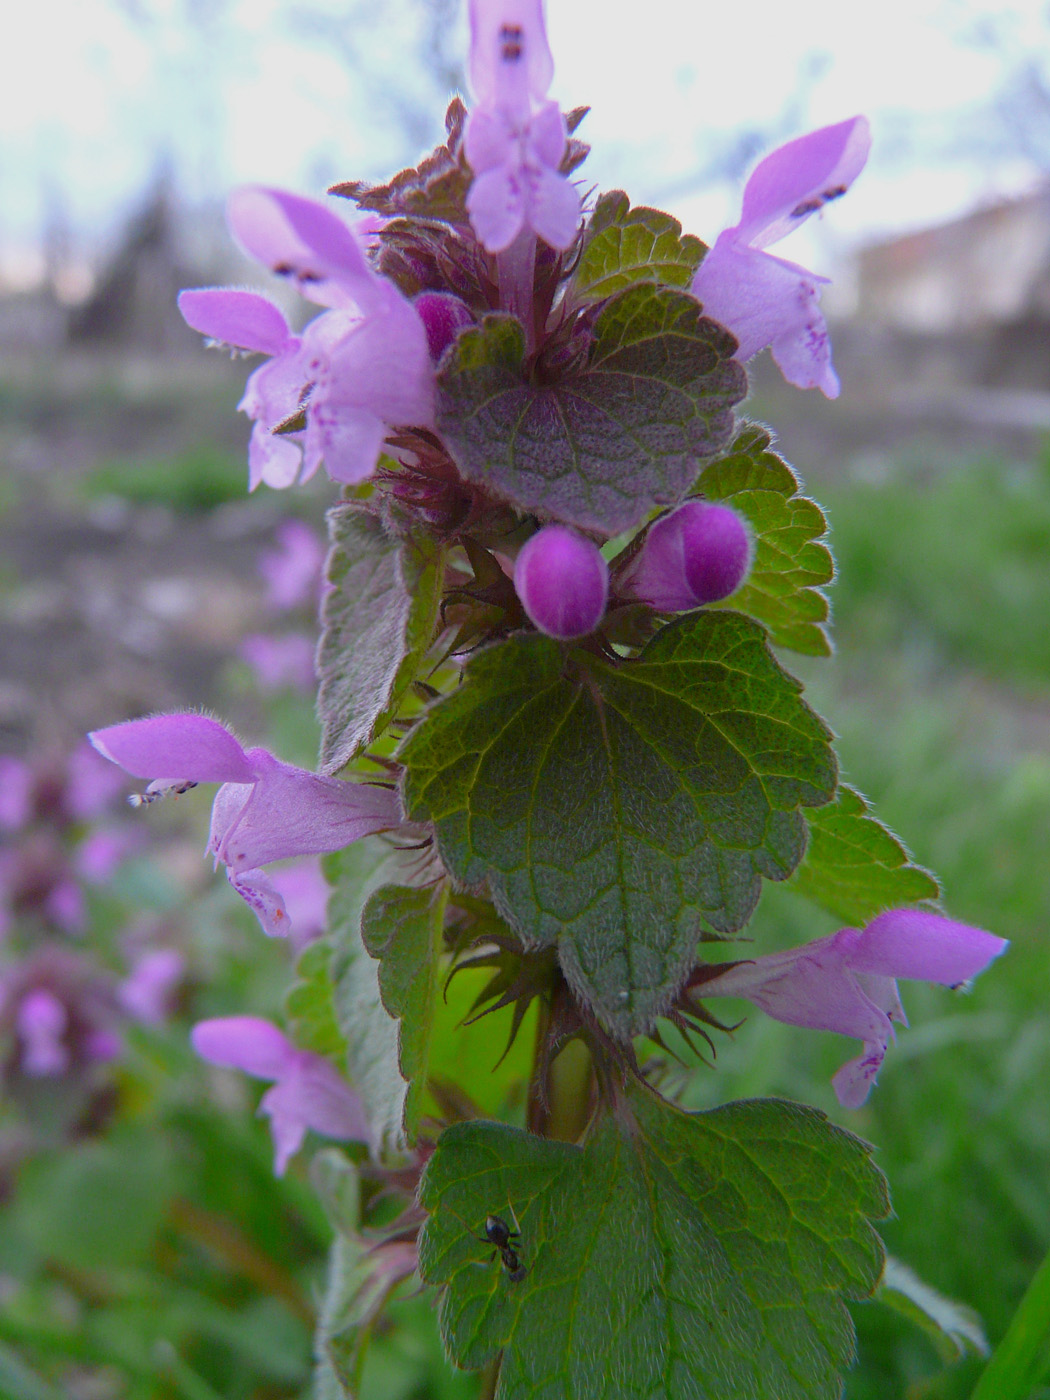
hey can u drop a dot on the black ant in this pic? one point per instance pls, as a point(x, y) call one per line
point(499, 1233)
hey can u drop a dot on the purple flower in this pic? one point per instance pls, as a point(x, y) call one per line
point(846, 982)
point(280, 662)
point(41, 1022)
point(64, 906)
point(444, 316)
point(308, 1091)
point(305, 892)
point(58, 1014)
point(265, 809)
point(699, 553)
point(358, 370)
point(762, 299)
point(292, 570)
point(103, 851)
point(16, 793)
point(562, 581)
point(515, 138)
point(247, 321)
point(146, 993)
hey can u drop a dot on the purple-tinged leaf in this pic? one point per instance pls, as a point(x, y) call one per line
point(378, 619)
point(602, 445)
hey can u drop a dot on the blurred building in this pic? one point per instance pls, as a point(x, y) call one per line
point(968, 300)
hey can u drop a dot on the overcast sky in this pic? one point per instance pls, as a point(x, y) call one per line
point(95, 91)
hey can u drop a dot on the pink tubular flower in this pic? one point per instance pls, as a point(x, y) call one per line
point(58, 1014)
point(699, 553)
point(147, 992)
point(515, 138)
point(16, 793)
point(41, 1022)
point(305, 892)
point(359, 369)
point(562, 581)
point(292, 569)
point(247, 321)
point(265, 809)
point(282, 661)
point(761, 298)
point(846, 982)
point(308, 1091)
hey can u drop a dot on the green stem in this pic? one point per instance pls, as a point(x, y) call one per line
point(1022, 1359)
point(490, 1378)
point(561, 1090)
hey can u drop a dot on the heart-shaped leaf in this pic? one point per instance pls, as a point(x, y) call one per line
point(603, 444)
point(616, 809)
point(681, 1256)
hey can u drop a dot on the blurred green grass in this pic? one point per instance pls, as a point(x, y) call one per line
point(198, 478)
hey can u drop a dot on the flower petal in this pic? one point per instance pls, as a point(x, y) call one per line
point(766, 301)
point(510, 58)
point(913, 943)
point(246, 1043)
point(553, 207)
point(327, 1102)
point(274, 459)
point(287, 1126)
point(496, 205)
point(301, 238)
point(292, 812)
point(264, 899)
point(311, 1094)
point(233, 316)
point(853, 1082)
point(41, 1022)
point(799, 178)
point(808, 986)
point(382, 365)
point(347, 440)
point(146, 992)
point(172, 748)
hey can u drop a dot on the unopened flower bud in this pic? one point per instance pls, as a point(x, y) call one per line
point(698, 554)
point(562, 581)
point(443, 317)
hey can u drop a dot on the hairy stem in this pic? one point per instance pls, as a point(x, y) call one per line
point(561, 1090)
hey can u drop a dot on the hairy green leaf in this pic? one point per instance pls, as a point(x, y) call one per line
point(687, 1256)
point(309, 1007)
point(371, 1032)
point(954, 1329)
point(614, 808)
point(605, 443)
point(624, 246)
point(377, 621)
point(792, 562)
point(855, 867)
point(360, 1278)
point(402, 928)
